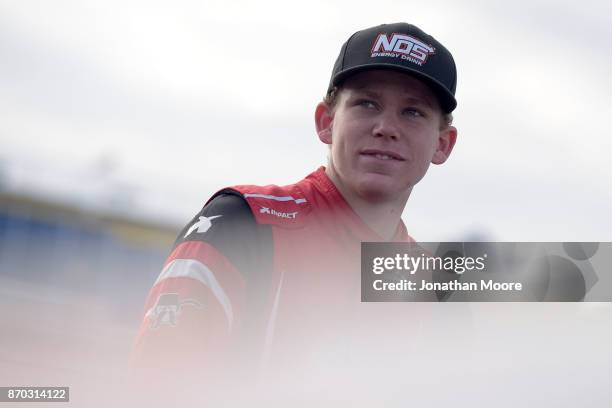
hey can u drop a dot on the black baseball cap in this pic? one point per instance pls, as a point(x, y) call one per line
point(402, 47)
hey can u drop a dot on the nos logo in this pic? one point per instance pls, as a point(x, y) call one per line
point(403, 44)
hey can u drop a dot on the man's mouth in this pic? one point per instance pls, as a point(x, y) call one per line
point(382, 154)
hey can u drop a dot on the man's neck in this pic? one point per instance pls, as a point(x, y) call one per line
point(382, 216)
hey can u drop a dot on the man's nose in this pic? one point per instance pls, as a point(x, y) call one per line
point(387, 125)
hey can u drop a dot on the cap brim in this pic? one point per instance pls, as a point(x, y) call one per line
point(447, 100)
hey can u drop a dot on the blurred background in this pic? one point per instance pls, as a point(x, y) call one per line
point(118, 119)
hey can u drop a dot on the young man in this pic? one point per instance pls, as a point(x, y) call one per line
point(269, 276)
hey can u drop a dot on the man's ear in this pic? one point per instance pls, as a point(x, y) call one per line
point(324, 117)
point(446, 142)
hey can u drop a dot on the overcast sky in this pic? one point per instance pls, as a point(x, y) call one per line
point(153, 106)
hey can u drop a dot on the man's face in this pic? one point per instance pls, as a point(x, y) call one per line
point(384, 132)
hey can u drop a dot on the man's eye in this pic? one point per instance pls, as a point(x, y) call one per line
point(366, 103)
point(414, 112)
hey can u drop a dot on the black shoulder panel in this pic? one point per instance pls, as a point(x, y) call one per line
point(227, 223)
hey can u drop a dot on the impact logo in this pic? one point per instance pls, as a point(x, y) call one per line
point(402, 46)
point(202, 225)
point(271, 211)
point(168, 308)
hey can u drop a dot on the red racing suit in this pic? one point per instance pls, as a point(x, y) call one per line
point(260, 274)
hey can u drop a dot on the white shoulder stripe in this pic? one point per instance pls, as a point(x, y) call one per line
point(275, 198)
point(189, 268)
